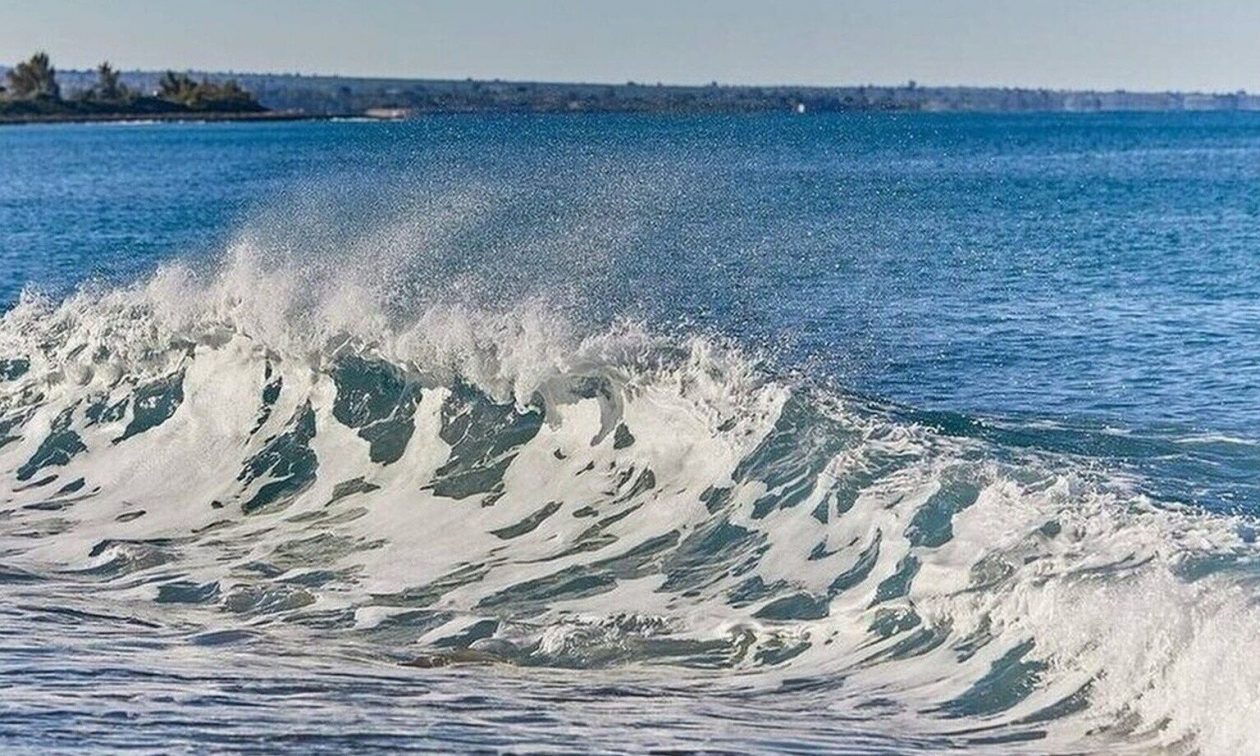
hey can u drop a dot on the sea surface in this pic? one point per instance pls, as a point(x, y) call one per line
point(828, 433)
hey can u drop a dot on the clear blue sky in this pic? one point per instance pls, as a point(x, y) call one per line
point(1132, 44)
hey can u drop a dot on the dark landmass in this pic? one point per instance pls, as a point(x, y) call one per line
point(243, 95)
point(108, 116)
point(32, 92)
point(134, 107)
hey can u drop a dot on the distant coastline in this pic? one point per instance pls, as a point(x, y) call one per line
point(294, 96)
point(33, 92)
point(346, 96)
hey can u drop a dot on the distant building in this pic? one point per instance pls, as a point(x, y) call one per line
point(389, 114)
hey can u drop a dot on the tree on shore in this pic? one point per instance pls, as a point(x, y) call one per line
point(178, 87)
point(205, 95)
point(109, 86)
point(34, 79)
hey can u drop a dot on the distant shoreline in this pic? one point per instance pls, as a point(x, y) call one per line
point(175, 117)
point(301, 96)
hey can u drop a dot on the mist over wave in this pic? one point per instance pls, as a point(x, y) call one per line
point(437, 454)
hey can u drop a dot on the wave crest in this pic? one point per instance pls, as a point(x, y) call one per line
point(265, 448)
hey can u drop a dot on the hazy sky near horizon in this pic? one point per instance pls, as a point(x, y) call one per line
point(1104, 44)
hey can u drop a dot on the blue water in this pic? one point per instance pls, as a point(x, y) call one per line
point(1065, 291)
point(1067, 266)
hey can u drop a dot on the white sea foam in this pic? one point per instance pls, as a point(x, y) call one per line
point(284, 450)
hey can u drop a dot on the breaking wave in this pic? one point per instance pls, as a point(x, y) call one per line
point(256, 448)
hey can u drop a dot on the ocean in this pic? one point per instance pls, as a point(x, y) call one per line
point(865, 433)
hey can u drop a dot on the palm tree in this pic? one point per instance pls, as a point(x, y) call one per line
point(35, 79)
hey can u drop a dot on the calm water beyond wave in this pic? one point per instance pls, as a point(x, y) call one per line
point(867, 433)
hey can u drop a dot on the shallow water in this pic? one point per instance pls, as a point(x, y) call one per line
point(882, 433)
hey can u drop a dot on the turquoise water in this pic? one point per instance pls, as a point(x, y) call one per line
point(924, 431)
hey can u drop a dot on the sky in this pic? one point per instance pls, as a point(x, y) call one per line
point(1208, 45)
